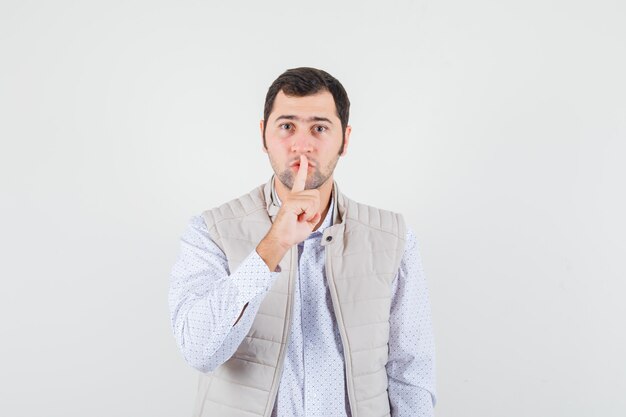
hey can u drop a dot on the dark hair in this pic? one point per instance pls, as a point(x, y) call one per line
point(306, 81)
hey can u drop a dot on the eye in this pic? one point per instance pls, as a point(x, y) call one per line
point(320, 129)
point(284, 124)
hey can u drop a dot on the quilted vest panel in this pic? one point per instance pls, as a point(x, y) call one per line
point(363, 247)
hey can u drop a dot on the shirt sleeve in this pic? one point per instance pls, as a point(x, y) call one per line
point(205, 299)
point(411, 364)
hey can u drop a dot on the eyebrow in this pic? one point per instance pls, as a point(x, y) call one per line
point(310, 119)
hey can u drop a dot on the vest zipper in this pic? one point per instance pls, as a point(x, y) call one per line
point(281, 354)
point(344, 340)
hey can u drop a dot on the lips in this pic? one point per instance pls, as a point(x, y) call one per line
point(297, 166)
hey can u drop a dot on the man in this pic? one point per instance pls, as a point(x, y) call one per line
point(293, 299)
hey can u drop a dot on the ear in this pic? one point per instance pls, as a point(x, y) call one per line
point(261, 123)
point(345, 145)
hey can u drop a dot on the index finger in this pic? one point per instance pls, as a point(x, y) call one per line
point(298, 183)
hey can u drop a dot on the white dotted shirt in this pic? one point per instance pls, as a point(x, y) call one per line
point(205, 299)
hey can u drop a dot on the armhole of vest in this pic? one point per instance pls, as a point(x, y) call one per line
point(401, 239)
point(211, 225)
point(209, 215)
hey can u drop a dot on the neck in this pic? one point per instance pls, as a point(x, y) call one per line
point(325, 194)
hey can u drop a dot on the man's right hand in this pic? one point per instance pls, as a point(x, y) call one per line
point(298, 215)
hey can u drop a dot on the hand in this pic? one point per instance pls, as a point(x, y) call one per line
point(299, 212)
point(298, 215)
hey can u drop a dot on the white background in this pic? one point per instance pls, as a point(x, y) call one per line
point(497, 127)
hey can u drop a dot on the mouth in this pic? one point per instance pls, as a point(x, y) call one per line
point(296, 166)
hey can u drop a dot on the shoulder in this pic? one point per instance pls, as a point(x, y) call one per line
point(373, 217)
point(236, 208)
point(412, 247)
point(411, 241)
point(196, 235)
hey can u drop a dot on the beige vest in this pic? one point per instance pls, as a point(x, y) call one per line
point(363, 250)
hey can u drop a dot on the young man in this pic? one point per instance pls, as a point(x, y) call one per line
point(293, 299)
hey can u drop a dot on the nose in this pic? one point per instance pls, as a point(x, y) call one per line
point(303, 142)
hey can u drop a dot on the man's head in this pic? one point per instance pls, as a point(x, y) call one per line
point(306, 112)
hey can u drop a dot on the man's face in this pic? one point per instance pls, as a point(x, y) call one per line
point(304, 125)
